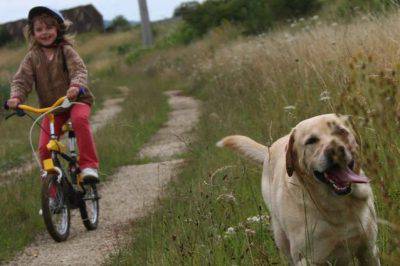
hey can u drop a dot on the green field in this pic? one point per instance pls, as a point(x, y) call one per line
point(262, 87)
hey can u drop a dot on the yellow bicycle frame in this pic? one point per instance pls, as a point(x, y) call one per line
point(54, 144)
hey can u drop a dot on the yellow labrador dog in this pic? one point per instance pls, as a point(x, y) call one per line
point(321, 204)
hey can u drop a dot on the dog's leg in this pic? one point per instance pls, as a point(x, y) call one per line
point(281, 240)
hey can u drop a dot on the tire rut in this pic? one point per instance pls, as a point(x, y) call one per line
point(129, 194)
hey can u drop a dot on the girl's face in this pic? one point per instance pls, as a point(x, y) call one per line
point(43, 33)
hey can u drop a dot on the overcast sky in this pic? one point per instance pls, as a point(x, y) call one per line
point(158, 9)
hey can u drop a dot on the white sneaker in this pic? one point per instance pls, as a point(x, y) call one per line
point(90, 175)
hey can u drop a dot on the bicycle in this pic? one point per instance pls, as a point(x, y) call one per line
point(62, 190)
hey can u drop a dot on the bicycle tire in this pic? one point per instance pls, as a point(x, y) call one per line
point(55, 204)
point(90, 199)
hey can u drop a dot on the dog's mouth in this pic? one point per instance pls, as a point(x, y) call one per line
point(340, 178)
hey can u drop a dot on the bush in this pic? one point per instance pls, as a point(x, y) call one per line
point(185, 8)
point(119, 23)
point(349, 8)
point(5, 36)
point(283, 9)
point(256, 16)
point(184, 34)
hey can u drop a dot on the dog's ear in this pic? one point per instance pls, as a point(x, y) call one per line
point(349, 123)
point(290, 155)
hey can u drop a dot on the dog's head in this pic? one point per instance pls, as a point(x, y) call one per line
point(324, 148)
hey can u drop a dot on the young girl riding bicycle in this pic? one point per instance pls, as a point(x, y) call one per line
point(55, 69)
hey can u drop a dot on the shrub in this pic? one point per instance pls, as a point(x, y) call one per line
point(349, 8)
point(256, 16)
point(5, 36)
point(184, 34)
point(185, 8)
point(119, 23)
point(283, 9)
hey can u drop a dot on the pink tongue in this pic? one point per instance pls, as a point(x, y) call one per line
point(346, 176)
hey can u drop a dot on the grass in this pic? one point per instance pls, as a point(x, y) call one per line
point(144, 110)
point(262, 87)
point(143, 113)
point(101, 58)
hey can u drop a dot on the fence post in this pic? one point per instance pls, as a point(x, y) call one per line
point(147, 35)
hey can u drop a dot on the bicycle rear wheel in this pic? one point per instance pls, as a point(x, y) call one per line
point(56, 213)
point(90, 208)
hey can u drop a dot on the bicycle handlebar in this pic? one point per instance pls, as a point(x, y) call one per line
point(21, 107)
point(41, 110)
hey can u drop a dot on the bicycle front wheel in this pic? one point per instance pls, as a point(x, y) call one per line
point(56, 213)
point(90, 208)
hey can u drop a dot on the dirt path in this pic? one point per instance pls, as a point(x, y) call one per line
point(101, 118)
point(128, 195)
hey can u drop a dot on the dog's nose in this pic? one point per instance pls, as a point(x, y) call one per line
point(335, 153)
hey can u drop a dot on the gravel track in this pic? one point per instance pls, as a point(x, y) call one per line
point(129, 194)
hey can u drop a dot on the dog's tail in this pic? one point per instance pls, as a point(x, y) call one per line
point(246, 147)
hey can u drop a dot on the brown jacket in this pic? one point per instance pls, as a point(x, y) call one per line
point(50, 78)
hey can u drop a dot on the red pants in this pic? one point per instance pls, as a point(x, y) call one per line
point(79, 115)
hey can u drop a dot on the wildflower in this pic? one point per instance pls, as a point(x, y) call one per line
point(324, 96)
point(257, 219)
point(250, 231)
point(316, 17)
point(230, 231)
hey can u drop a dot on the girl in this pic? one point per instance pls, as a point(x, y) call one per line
point(55, 69)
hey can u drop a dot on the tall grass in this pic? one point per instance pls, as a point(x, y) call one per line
point(100, 55)
point(262, 87)
point(144, 110)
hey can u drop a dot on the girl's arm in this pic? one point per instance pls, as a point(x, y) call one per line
point(22, 82)
point(76, 68)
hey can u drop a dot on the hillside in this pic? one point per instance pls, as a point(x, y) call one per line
point(260, 86)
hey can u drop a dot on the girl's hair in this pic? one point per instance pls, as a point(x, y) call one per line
point(49, 20)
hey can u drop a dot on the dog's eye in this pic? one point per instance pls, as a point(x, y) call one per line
point(312, 140)
point(341, 131)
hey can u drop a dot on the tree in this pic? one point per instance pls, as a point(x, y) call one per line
point(5, 36)
point(119, 23)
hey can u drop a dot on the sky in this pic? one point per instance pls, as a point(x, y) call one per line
point(158, 9)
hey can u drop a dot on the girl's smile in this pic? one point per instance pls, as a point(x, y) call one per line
point(44, 34)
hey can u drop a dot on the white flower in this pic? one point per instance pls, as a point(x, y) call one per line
point(316, 17)
point(257, 219)
point(250, 231)
point(324, 96)
point(230, 231)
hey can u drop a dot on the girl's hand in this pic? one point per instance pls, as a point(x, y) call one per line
point(13, 103)
point(72, 93)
